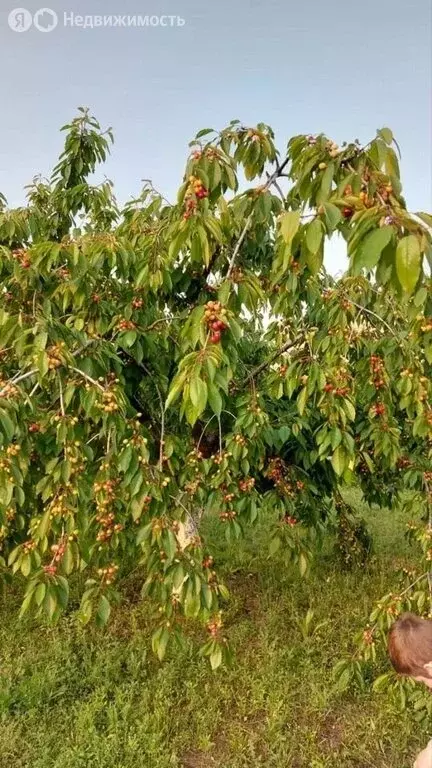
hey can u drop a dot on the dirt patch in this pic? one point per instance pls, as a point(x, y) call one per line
point(331, 733)
point(195, 759)
point(246, 596)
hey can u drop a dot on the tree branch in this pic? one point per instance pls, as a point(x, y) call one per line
point(87, 378)
point(271, 179)
point(374, 314)
point(260, 368)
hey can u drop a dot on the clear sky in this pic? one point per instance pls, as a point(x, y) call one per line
point(345, 68)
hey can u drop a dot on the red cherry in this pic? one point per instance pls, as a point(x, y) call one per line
point(347, 213)
point(215, 325)
point(215, 337)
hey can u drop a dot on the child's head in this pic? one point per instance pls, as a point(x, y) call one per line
point(410, 647)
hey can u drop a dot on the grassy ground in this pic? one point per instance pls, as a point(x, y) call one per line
point(74, 698)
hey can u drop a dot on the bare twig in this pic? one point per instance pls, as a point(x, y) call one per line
point(277, 187)
point(36, 386)
point(162, 407)
point(20, 377)
point(239, 244)
point(158, 322)
point(378, 317)
point(220, 434)
point(203, 432)
point(260, 368)
point(88, 378)
point(62, 408)
point(423, 576)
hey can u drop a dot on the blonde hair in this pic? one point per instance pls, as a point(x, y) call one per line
point(410, 645)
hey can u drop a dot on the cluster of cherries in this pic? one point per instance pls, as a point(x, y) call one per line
point(340, 391)
point(108, 574)
point(55, 356)
point(109, 403)
point(427, 325)
point(403, 462)
point(227, 515)
point(368, 636)
point(58, 551)
point(196, 191)
point(22, 256)
point(126, 325)
point(377, 372)
point(215, 317)
point(215, 626)
point(105, 518)
point(290, 521)
point(28, 546)
point(59, 504)
point(377, 367)
point(247, 484)
point(379, 409)
point(276, 472)
point(7, 389)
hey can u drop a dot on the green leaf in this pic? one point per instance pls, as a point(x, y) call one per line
point(224, 291)
point(408, 262)
point(216, 658)
point(50, 602)
point(332, 216)
point(338, 460)
point(44, 524)
point(314, 235)
point(289, 225)
point(40, 593)
point(426, 217)
point(162, 644)
point(26, 565)
point(214, 399)
point(302, 400)
point(103, 610)
point(274, 545)
point(386, 134)
point(326, 184)
point(204, 132)
point(129, 338)
point(372, 246)
point(7, 425)
point(198, 393)
point(420, 296)
point(25, 605)
point(315, 261)
point(303, 564)
point(125, 459)
point(175, 389)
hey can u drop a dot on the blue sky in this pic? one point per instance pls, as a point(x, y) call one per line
point(340, 67)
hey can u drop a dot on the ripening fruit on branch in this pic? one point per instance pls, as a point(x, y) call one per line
point(215, 316)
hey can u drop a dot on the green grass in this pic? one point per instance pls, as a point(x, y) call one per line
point(78, 698)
